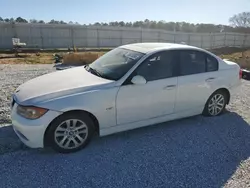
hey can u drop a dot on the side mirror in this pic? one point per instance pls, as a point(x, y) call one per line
point(138, 80)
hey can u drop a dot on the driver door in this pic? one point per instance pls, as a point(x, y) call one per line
point(137, 102)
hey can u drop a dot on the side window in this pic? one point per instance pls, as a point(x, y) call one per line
point(192, 62)
point(158, 66)
point(212, 64)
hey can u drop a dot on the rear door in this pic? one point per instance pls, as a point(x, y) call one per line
point(198, 74)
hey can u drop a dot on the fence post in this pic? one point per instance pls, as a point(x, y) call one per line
point(244, 41)
point(41, 36)
point(141, 34)
point(201, 40)
point(211, 41)
point(30, 35)
point(72, 37)
point(159, 35)
point(174, 36)
point(98, 38)
point(86, 38)
point(121, 37)
point(234, 40)
point(247, 44)
point(225, 39)
point(14, 30)
point(213, 37)
point(189, 42)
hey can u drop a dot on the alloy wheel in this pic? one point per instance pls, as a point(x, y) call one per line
point(216, 104)
point(71, 134)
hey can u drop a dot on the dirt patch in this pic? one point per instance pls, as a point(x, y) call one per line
point(26, 58)
point(48, 58)
point(81, 58)
point(241, 57)
point(238, 55)
point(228, 50)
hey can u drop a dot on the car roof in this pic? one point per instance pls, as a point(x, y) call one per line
point(151, 47)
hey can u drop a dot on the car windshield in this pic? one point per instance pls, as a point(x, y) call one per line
point(115, 64)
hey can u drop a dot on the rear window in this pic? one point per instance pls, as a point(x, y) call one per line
point(212, 64)
point(195, 62)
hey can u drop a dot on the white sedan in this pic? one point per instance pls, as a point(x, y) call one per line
point(129, 87)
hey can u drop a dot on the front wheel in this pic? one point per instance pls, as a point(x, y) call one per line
point(216, 104)
point(70, 132)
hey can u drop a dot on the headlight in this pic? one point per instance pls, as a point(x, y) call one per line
point(31, 112)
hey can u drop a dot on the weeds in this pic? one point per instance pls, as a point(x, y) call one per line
point(81, 58)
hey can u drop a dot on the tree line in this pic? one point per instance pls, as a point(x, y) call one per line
point(238, 23)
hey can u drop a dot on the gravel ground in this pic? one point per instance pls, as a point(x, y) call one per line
point(11, 76)
point(193, 152)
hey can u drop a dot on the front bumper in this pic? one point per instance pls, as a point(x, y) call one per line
point(31, 132)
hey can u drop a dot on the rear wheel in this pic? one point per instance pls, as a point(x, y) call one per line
point(216, 104)
point(70, 132)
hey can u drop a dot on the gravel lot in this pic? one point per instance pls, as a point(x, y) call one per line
point(193, 152)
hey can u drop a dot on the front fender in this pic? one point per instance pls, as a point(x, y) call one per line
point(100, 103)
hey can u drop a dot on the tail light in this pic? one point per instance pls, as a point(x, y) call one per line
point(240, 74)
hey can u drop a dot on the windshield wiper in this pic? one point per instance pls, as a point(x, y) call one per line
point(97, 73)
point(94, 71)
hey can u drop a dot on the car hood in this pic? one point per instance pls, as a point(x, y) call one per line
point(57, 84)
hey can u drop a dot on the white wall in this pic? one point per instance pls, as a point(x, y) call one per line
point(63, 36)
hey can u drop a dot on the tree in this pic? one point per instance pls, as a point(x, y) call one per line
point(62, 22)
point(187, 27)
point(113, 23)
point(122, 24)
point(241, 20)
point(138, 24)
point(41, 22)
point(161, 25)
point(20, 20)
point(128, 24)
point(239, 23)
point(153, 24)
point(97, 24)
point(12, 20)
point(104, 24)
point(53, 22)
point(171, 26)
point(33, 21)
point(146, 23)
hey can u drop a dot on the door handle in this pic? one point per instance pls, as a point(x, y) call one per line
point(170, 87)
point(210, 79)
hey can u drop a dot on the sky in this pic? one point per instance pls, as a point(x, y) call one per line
point(91, 11)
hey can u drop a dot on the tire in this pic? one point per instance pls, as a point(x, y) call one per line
point(70, 132)
point(216, 108)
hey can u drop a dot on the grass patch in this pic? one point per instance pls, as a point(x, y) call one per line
point(47, 58)
point(242, 58)
point(81, 58)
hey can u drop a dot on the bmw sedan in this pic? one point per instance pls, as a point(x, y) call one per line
point(131, 86)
